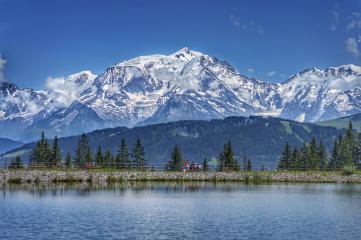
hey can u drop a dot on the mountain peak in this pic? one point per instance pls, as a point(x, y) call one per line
point(186, 54)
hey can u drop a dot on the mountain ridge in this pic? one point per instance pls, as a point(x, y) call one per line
point(262, 138)
point(185, 85)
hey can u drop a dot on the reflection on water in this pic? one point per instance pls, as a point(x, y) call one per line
point(189, 210)
point(85, 189)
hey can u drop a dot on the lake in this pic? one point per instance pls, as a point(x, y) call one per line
point(181, 211)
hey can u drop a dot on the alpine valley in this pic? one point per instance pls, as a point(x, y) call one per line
point(185, 85)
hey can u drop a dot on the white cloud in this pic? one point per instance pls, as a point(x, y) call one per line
point(352, 46)
point(272, 73)
point(250, 26)
point(64, 90)
point(355, 21)
point(2, 67)
point(235, 20)
point(251, 70)
point(335, 19)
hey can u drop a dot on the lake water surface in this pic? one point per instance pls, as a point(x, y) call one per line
point(182, 211)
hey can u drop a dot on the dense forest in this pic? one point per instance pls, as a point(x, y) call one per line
point(346, 153)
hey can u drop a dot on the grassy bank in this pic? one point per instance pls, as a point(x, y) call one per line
point(110, 176)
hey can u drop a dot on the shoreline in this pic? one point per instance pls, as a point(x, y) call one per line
point(105, 177)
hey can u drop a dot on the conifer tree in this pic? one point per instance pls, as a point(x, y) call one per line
point(333, 163)
point(205, 165)
point(83, 154)
point(108, 159)
point(357, 154)
point(16, 163)
point(122, 157)
point(55, 154)
point(99, 159)
point(42, 152)
point(249, 165)
point(294, 160)
point(313, 157)
point(284, 161)
point(68, 161)
point(323, 157)
point(176, 161)
point(227, 160)
point(138, 154)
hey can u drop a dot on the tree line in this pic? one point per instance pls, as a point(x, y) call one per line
point(50, 156)
point(346, 153)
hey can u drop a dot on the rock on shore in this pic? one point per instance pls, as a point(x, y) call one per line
point(47, 176)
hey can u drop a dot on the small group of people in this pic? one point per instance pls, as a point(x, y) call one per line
point(191, 166)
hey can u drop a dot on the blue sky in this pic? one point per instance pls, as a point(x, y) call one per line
point(268, 40)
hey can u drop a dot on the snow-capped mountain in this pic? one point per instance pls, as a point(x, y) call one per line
point(185, 85)
point(315, 95)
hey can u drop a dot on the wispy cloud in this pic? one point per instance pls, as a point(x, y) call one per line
point(271, 73)
point(352, 46)
point(236, 21)
point(355, 21)
point(251, 70)
point(2, 68)
point(250, 26)
point(335, 19)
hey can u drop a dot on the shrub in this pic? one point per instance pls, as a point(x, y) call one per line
point(348, 170)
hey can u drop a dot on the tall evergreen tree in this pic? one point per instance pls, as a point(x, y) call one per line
point(357, 154)
point(16, 163)
point(122, 158)
point(249, 165)
point(294, 160)
point(205, 165)
point(68, 161)
point(176, 162)
point(138, 155)
point(55, 154)
point(42, 151)
point(227, 160)
point(284, 161)
point(313, 157)
point(83, 154)
point(108, 159)
point(335, 161)
point(99, 159)
point(323, 157)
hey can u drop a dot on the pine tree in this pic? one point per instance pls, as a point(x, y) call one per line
point(313, 157)
point(176, 162)
point(332, 165)
point(345, 153)
point(226, 160)
point(55, 154)
point(357, 155)
point(304, 157)
point(83, 154)
point(122, 158)
point(138, 154)
point(42, 152)
point(249, 165)
point(68, 161)
point(323, 157)
point(99, 159)
point(205, 165)
point(284, 161)
point(16, 163)
point(108, 158)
